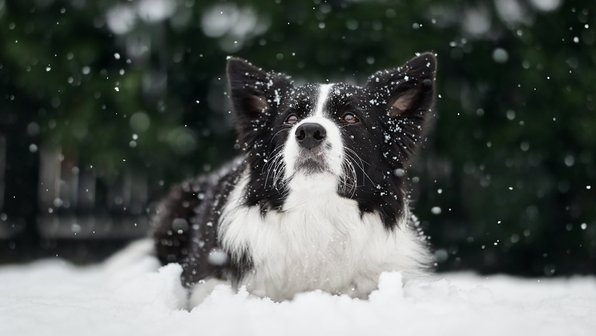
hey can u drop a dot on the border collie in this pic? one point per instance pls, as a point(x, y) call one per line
point(317, 199)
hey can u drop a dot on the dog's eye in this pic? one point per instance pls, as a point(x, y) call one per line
point(291, 119)
point(350, 118)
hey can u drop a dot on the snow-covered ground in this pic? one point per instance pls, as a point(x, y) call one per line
point(56, 298)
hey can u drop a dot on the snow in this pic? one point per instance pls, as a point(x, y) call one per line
point(53, 297)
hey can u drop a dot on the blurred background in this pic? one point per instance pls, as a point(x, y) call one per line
point(105, 104)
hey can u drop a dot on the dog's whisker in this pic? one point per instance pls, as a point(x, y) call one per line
point(276, 155)
point(351, 181)
point(277, 133)
point(361, 165)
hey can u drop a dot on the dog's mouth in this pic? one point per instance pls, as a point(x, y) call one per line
point(311, 162)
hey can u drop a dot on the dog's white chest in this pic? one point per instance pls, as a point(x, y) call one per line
point(320, 245)
point(319, 241)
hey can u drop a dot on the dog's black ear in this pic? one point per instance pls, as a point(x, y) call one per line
point(407, 89)
point(255, 93)
point(406, 95)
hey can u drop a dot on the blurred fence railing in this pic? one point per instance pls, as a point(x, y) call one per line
point(79, 202)
point(71, 201)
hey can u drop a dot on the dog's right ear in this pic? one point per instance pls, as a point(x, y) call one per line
point(255, 93)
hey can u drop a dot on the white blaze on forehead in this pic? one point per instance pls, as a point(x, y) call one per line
point(332, 150)
point(321, 99)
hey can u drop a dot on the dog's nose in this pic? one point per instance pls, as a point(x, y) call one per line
point(310, 135)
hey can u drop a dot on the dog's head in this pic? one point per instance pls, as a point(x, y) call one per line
point(355, 141)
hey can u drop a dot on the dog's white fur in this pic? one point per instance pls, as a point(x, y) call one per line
point(322, 99)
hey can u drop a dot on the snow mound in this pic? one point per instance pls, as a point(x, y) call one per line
point(56, 298)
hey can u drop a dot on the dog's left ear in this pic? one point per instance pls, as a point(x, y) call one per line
point(406, 96)
point(409, 89)
point(255, 93)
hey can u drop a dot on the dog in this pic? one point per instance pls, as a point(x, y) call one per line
point(316, 200)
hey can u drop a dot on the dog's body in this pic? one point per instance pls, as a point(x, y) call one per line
point(316, 200)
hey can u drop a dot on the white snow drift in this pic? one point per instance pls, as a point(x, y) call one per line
point(56, 298)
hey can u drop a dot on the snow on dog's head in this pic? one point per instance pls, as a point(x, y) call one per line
point(351, 140)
